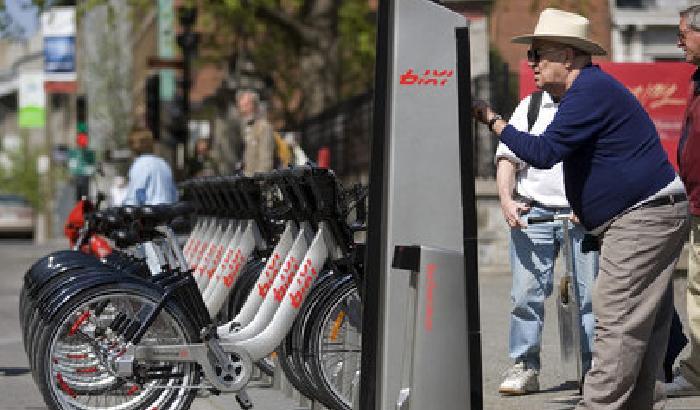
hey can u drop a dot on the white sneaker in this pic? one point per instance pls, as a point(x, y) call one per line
point(520, 380)
point(680, 387)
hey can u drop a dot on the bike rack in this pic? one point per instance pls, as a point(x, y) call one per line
point(421, 198)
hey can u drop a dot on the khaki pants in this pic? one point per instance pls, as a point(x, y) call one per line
point(633, 304)
point(690, 367)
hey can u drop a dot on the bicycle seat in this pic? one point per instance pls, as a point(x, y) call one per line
point(107, 220)
point(130, 212)
point(155, 215)
point(165, 213)
point(124, 238)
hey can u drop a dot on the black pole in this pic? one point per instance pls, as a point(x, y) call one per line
point(376, 241)
point(187, 76)
point(471, 272)
point(188, 41)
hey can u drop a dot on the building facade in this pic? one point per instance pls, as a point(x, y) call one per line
point(645, 30)
point(512, 18)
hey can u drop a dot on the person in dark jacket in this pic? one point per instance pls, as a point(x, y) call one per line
point(623, 189)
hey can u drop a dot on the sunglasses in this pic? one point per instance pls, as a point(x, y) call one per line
point(534, 55)
point(682, 35)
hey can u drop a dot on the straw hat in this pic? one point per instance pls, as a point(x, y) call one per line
point(565, 28)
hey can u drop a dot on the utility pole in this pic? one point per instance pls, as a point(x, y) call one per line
point(188, 41)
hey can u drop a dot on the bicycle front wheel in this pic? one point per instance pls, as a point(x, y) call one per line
point(78, 352)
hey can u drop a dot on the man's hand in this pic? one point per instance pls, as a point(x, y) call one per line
point(482, 111)
point(512, 211)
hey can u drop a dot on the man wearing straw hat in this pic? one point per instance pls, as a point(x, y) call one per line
point(622, 187)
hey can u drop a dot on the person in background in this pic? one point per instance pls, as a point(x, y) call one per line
point(299, 157)
point(200, 164)
point(257, 134)
point(117, 193)
point(621, 186)
point(687, 382)
point(534, 248)
point(150, 177)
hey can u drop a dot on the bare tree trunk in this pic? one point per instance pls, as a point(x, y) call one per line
point(319, 79)
point(319, 57)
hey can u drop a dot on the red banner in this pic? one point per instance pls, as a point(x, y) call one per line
point(662, 88)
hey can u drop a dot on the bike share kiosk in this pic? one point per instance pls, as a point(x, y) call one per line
point(421, 338)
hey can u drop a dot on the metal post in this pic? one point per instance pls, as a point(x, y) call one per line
point(416, 143)
point(471, 269)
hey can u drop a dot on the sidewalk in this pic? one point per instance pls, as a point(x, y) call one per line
point(495, 305)
point(18, 391)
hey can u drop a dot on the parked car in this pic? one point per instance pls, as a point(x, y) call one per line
point(16, 215)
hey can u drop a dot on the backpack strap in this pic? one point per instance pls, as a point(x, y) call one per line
point(533, 109)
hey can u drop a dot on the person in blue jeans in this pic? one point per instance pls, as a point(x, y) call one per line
point(525, 192)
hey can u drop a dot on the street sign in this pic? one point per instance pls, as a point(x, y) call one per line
point(58, 26)
point(166, 47)
point(31, 100)
point(81, 161)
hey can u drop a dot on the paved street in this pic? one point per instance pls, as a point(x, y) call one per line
point(18, 392)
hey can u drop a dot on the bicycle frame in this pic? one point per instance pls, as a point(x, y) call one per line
point(218, 249)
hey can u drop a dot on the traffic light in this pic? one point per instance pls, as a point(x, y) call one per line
point(81, 160)
point(177, 124)
point(81, 139)
point(188, 42)
point(153, 105)
point(179, 110)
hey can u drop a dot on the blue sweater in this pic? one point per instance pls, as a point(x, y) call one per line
point(612, 155)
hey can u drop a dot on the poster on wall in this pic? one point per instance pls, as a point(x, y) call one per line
point(166, 47)
point(661, 87)
point(59, 54)
point(58, 31)
point(32, 112)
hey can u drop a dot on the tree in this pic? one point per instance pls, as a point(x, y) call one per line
point(21, 176)
point(106, 68)
point(312, 52)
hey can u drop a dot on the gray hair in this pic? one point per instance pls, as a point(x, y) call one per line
point(255, 94)
point(692, 16)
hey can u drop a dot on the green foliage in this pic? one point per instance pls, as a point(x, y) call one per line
point(22, 178)
point(357, 44)
point(276, 35)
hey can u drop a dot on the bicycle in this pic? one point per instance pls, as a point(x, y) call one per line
point(226, 364)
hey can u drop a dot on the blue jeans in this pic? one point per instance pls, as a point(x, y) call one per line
point(532, 254)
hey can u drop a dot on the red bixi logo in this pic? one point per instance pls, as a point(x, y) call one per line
point(430, 77)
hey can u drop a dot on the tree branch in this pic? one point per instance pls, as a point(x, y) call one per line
point(294, 26)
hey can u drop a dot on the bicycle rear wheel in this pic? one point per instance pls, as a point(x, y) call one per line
point(76, 363)
point(291, 351)
point(336, 348)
